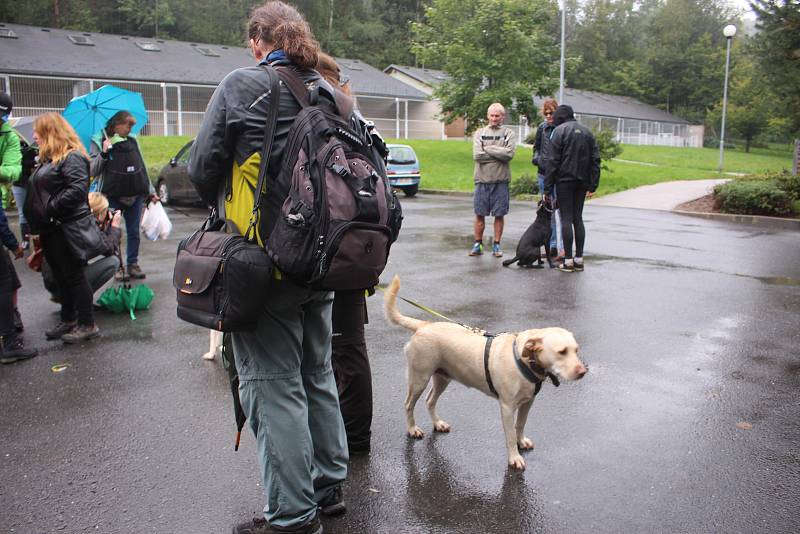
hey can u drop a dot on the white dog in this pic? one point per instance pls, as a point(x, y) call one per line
point(516, 366)
point(214, 344)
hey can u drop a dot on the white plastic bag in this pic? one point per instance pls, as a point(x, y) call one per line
point(155, 223)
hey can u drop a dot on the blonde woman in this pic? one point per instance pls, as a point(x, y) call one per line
point(59, 193)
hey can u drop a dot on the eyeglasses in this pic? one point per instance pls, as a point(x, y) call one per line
point(548, 113)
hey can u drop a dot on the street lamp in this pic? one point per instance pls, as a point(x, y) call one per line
point(561, 69)
point(729, 31)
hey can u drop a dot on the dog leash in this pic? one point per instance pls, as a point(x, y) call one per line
point(424, 308)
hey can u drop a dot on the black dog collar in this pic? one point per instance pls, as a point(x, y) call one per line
point(531, 373)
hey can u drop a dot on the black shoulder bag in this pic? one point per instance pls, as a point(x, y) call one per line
point(222, 278)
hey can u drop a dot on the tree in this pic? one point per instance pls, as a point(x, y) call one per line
point(493, 51)
point(777, 45)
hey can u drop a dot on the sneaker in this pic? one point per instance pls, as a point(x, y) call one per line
point(13, 350)
point(135, 272)
point(121, 275)
point(578, 266)
point(81, 333)
point(477, 249)
point(497, 252)
point(333, 504)
point(564, 267)
point(60, 329)
point(261, 526)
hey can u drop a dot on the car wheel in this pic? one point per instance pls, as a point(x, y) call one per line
point(163, 192)
point(410, 191)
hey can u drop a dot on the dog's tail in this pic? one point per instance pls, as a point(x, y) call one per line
point(506, 263)
point(391, 312)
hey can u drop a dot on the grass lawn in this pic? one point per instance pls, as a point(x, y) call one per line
point(447, 165)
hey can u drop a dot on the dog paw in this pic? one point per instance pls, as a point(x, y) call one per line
point(441, 426)
point(516, 462)
point(209, 355)
point(525, 444)
point(416, 432)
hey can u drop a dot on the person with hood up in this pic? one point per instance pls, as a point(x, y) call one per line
point(572, 170)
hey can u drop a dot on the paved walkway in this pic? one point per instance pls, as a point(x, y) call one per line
point(661, 196)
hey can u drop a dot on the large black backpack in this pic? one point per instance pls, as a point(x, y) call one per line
point(29, 154)
point(331, 215)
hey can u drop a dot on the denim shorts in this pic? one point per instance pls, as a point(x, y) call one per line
point(491, 199)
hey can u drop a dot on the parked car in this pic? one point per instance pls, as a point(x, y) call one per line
point(173, 183)
point(403, 169)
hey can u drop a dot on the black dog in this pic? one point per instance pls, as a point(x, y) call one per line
point(536, 236)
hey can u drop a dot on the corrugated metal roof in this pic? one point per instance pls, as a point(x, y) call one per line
point(51, 52)
point(585, 102)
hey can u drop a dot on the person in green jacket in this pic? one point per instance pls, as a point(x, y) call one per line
point(10, 151)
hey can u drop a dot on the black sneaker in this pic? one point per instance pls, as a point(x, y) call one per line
point(565, 268)
point(13, 350)
point(578, 267)
point(60, 329)
point(333, 504)
point(81, 333)
point(261, 526)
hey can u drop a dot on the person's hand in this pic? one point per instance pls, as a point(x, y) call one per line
point(589, 194)
point(106, 144)
point(18, 252)
point(153, 198)
point(116, 219)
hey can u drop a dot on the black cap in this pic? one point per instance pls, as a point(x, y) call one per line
point(5, 104)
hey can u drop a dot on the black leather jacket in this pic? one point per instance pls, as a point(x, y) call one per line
point(59, 192)
point(233, 127)
point(573, 156)
point(542, 145)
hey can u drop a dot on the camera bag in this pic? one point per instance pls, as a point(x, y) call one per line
point(221, 276)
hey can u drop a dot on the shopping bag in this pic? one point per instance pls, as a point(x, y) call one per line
point(155, 222)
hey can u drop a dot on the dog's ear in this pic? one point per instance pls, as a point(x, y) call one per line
point(532, 348)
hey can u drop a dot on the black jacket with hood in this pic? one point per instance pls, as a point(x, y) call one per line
point(573, 154)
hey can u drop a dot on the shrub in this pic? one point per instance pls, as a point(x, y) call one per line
point(530, 138)
point(786, 181)
point(752, 197)
point(609, 147)
point(525, 184)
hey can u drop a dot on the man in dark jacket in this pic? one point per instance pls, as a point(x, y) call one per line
point(573, 169)
point(12, 348)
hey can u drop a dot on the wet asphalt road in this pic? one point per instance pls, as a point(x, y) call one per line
point(689, 327)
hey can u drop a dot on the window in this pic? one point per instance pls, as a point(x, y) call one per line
point(206, 51)
point(401, 155)
point(82, 40)
point(148, 46)
point(7, 33)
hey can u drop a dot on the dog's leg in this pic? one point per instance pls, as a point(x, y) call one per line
point(440, 383)
point(214, 340)
point(547, 251)
point(523, 443)
point(416, 385)
point(515, 460)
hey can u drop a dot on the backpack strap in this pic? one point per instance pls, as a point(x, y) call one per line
point(296, 86)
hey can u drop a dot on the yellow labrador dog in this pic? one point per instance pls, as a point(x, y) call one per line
point(516, 365)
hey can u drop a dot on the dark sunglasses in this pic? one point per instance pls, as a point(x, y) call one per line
point(548, 113)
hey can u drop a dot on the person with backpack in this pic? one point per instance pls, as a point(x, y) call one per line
point(572, 170)
point(17, 160)
point(286, 383)
point(119, 169)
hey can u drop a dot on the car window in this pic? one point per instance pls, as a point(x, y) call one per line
point(401, 154)
point(183, 155)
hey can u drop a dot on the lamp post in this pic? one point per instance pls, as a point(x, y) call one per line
point(729, 31)
point(561, 70)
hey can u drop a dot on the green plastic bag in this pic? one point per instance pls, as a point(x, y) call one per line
point(121, 298)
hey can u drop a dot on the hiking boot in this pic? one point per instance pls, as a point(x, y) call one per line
point(13, 350)
point(578, 266)
point(81, 333)
point(121, 275)
point(135, 272)
point(333, 504)
point(477, 249)
point(497, 252)
point(566, 268)
point(60, 329)
point(261, 526)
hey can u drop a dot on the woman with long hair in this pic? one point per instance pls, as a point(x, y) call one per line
point(59, 192)
point(540, 152)
point(286, 384)
point(118, 166)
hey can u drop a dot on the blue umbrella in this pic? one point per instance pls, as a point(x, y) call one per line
point(89, 113)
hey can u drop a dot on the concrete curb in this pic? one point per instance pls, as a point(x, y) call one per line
point(756, 220)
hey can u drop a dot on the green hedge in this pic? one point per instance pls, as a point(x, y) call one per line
point(753, 197)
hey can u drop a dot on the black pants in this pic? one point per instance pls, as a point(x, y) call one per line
point(351, 368)
point(70, 274)
point(571, 196)
point(8, 284)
